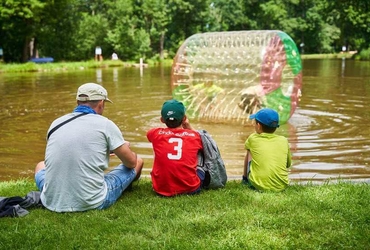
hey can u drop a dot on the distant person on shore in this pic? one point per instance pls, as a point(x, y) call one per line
point(1, 54)
point(176, 150)
point(268, 155)
point(79, 144)
point(98, 54)
point(114, 56)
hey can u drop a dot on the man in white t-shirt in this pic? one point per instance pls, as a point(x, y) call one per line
point(72, 177)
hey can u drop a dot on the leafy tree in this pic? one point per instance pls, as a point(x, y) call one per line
point(188, 18)
point(226, 15)
point(19, 20)
point(316, 34)
point(154, 18)
point(92, 31)
point(353, 18)
point(71, 29)
point(123, 24)
point(287, 16)
point(56, 35)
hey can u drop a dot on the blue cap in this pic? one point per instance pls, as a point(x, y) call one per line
point(268, 117)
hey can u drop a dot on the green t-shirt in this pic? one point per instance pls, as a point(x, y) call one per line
point(210, 91)
point(270, 159)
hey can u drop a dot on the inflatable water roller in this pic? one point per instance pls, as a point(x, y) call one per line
point(226, 76)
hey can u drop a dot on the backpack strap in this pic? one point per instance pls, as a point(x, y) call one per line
point(62, 123)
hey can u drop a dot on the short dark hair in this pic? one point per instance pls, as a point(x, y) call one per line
point(173, 123)
point(266, 129)
point(91, 104)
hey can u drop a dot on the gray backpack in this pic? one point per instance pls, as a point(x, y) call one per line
point(211, 162)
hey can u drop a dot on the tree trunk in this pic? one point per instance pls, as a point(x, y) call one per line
point(161, 45)
point(34, 53)
point(26, 50)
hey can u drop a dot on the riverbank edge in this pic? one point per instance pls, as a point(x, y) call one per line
point(74, 66)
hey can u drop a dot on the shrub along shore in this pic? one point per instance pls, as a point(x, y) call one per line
point(327, 216)
point(70, 66)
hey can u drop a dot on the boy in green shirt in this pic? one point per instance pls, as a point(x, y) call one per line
point(268, 155)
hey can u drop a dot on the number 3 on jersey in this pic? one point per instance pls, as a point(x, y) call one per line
point(177, 148)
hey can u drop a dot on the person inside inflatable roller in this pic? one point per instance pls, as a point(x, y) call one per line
point(207, 89)
point(251, 99)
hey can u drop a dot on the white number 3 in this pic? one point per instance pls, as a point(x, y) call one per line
point(177, 147)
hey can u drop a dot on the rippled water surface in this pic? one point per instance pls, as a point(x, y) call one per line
point(329, 133)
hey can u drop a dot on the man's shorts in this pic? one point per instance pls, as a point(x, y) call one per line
point(116, 180)
point(40, 179)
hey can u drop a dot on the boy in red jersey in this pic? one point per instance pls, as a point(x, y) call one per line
point(175, 153)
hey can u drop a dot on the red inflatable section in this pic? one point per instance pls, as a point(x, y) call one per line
point(273, 64)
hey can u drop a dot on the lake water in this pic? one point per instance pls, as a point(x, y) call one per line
point(329, 133)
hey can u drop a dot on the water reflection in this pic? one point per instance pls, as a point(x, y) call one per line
point(115, 75)
point(329, 132)
point(343, 66)
point(99, 77)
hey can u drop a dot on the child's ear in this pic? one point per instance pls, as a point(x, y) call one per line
point(259, 126)
point(162, 120)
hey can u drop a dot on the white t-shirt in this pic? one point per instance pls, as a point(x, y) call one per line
point(75, 159)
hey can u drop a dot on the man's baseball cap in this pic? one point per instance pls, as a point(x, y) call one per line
point(173, 110)
point(268, 117)
point(92, 92)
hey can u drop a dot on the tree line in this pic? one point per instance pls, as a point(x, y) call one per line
point(70, 30)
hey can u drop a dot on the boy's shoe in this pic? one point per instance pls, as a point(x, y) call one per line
point(245, 180)
point(247, 183)
point(129, 187)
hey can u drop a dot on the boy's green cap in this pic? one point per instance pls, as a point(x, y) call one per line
point(173, 110)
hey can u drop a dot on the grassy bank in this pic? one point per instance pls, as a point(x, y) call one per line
point(330, 216)
point(71, 66)
point(328, 56)
point(60, 66)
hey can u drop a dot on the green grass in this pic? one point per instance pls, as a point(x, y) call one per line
point(329, 216)
point(365, 54)
point(328, 56)
point(61, 66)
point(72, 66)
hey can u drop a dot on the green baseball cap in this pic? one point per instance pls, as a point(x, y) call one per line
point(173, 110)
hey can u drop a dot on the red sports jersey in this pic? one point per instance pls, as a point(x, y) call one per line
point(175, 160)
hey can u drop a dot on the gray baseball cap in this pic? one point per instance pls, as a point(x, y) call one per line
point(92, 92)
